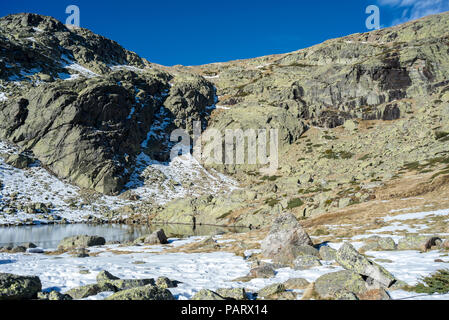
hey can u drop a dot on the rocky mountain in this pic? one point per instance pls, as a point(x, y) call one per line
point(356, 116)
point(85, 106)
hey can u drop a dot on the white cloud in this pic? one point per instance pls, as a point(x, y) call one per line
point(415, 9)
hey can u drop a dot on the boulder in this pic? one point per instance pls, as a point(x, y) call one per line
point(296, 284)
point(81, 241)
point(205, 294)
point(29, 245)
point(350, 259)
point(104, 276)
point(328, 285)
point(148, 292)
point(15, 287)
point(377, 243)
point(327, 253)
point(271, 290)
point(306, 262)
point(124, 284)
point(265, 271)
point(82, 292)
point(285, 239)
point(166, 283)
point(53, 296)
point(233, 293)
point(157, 237)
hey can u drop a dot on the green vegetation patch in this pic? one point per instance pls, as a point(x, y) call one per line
point(435, 283)
point(294, 203)
point(331, 154)
point(270, 178)
point(271, 202)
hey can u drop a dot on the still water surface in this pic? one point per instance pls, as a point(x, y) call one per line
point(48, 236)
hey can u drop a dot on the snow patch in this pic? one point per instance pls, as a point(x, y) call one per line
point(417, 215)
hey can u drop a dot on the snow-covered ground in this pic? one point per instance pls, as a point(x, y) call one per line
point(179, 178)
point(197, 271)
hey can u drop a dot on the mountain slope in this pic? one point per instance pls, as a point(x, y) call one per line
point(355, 115)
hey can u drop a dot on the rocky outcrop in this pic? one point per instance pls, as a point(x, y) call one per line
point(285, 240)
point(349, 258)
point(206, 294)
point(233, 293)
point(90, 128)
point(109, 282)
point(329, 285)
point(81, 241)
point(157, 237)
point(82, 292)
point(14, 287)
point(379, 244)
point(148, 292)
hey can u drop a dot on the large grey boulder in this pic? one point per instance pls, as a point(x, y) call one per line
point(233, 293)
point(377, 243)
point(285, 239)
point(81, 241)
point(82, 292)
point(206, 294)
point(157, 237)
point(108, 282)
point(330, 285)
point(148, 292)
point(350, 259)
point(14, 287)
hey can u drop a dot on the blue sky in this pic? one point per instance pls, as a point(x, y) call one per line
point(198, 32)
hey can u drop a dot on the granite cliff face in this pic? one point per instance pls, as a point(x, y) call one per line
point(353, 114)
point(85, 106)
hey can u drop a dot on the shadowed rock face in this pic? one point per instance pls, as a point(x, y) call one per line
point(90, 129)
point(14, 287)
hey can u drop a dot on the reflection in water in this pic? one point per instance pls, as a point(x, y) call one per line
point(48, 236)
